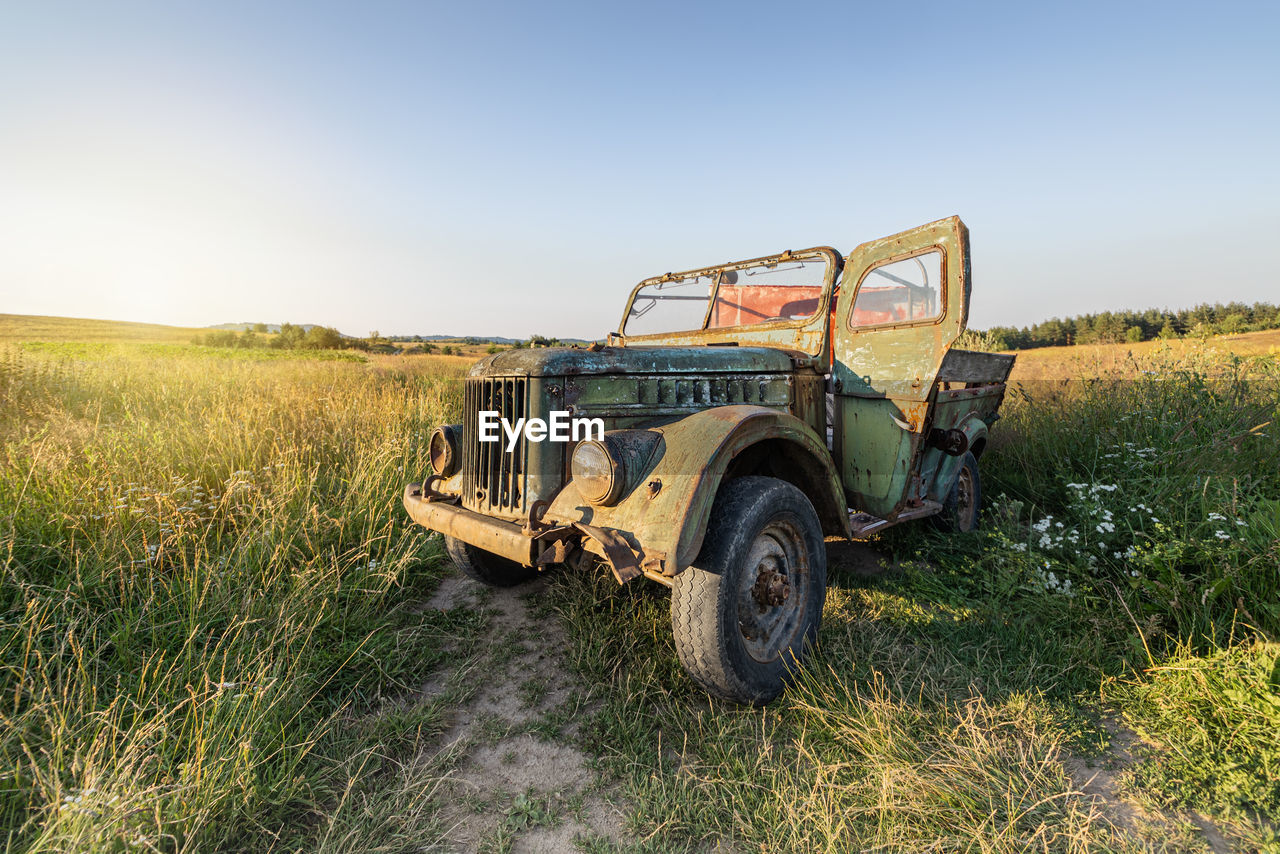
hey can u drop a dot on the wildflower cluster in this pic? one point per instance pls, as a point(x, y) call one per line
point(1088, 534)
point(1048, 580)
point(1100, 533)
point(1220, 522)
point(1130, 452)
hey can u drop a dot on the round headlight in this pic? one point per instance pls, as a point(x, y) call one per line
point(598, 475)
point(443, 449)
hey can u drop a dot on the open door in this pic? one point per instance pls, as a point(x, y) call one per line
point(902, 302)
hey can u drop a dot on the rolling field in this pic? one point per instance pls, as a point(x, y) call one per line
point(30, 329)
point(20, 328)
point(219, 631)
point(1089, 360)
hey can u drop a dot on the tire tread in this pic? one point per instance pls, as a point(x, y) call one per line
point(699, 616)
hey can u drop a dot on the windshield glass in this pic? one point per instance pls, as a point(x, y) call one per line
point(771, 290)
point(676, 305)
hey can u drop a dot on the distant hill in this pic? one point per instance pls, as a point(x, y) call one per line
point(32, 327)
point(401, 339)
point(1092, 360)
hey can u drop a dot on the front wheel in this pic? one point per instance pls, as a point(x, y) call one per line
point(486, 567)
point(744, 615)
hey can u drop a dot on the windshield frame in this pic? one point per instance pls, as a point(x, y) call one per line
point(834, 264)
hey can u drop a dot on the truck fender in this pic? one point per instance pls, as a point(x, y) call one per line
point(665, 516)
point(975, 430)
point(807, 465)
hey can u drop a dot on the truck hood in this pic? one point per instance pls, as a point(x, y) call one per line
point(572, 361)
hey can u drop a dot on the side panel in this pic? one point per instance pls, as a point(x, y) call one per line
point(970, 411)
point(884, 370)
point(667, 522)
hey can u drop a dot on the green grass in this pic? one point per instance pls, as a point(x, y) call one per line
point(209, 592)
point(1214, 720)
point(211, 632)
point(952, 695)
point(921, 721)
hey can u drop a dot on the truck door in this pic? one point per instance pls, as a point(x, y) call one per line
point(902, 301)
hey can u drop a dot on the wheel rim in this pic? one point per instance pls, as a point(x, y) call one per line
point(966, 506)
point(773, 591)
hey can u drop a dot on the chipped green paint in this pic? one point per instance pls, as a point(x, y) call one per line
point(884, 375)
point(667, 361)
point(691, 460)
point(694, 408)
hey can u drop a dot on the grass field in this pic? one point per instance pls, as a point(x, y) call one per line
point(213, 631)
point(32, 329)
point(1099, 359)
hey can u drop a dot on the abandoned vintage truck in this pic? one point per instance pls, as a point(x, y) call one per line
point(743, 412)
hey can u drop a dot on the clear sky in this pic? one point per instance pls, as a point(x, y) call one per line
point(514, 168)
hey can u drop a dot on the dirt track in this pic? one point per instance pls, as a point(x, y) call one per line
point(513, 783)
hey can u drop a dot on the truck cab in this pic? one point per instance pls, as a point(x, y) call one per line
point(743, 413)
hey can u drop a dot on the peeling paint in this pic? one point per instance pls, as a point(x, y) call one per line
point(699, 407)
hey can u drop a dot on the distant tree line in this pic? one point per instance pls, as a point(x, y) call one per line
point(293, 337)
point(1111, 327)
point(537, 341)
point(290, 337)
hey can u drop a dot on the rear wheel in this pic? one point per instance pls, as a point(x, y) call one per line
point(486, 567)
point(744, 615)
point(960, 509)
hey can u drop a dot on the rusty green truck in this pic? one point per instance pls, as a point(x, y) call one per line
point(742, 413)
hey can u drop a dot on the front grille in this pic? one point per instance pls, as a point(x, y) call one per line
point(492, 479)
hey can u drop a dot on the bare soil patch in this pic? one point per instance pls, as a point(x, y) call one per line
point(1100, 778)
point(517, 783)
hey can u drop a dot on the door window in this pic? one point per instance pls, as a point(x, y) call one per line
point(905, 291)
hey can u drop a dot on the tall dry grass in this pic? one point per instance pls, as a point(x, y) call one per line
point(205, 566)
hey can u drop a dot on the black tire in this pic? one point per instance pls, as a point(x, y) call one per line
point(739, 636)
point(486, 567)
point(960, 510)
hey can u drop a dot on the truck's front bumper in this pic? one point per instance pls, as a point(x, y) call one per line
point(514, 542)
point(483, 532)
